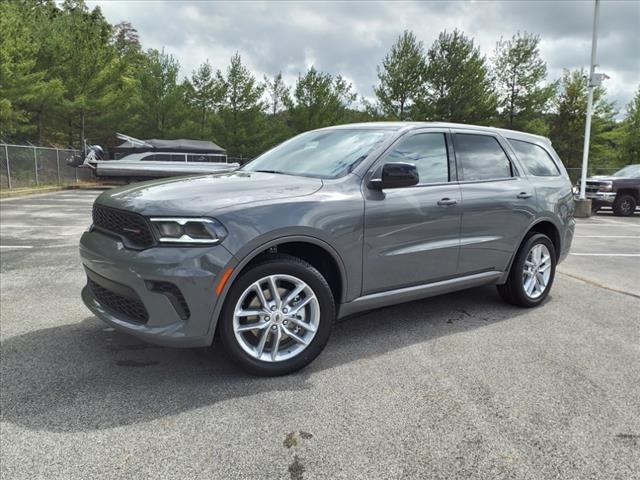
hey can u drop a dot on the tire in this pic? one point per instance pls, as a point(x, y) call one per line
point(300, 335)
point(624, 205)
point(514, 291)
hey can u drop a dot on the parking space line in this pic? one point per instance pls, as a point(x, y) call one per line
point(37, 225)
point(606, 254)
point(66, 245)
point(606, 236)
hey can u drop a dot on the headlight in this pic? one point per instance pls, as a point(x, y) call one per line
point(605, 187)
point(206, 231)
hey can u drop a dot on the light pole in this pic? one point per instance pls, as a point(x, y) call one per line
point(595, 80)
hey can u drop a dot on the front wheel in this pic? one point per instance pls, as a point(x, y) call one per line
point(624, 206)
point(532, 272)
point(277, 317)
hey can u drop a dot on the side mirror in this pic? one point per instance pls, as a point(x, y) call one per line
point(394, 175)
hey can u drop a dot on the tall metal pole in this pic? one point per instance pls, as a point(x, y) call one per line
point(6, 153)
point(58, 165)
point(587, 126)
point(35, 164)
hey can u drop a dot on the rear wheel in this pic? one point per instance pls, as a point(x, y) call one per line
point(277, 317)
point(624, 205)
point(532, 272)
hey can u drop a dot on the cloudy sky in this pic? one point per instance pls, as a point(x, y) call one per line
point(351, 38)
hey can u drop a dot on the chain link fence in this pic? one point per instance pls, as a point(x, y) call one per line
point(23, 166)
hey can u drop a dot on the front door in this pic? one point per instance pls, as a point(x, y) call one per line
point(412, 234)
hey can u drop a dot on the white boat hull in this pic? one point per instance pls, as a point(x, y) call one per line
point(152, 169)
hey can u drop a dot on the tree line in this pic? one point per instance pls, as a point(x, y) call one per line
point(67, 74)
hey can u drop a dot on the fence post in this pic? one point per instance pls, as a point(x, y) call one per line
point(35, 163)
point(6, 154)
point(58, 165)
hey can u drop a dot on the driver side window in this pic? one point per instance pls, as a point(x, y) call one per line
point(428, 151)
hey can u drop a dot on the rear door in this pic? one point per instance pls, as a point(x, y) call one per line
point(412, 233)
point(498, 202)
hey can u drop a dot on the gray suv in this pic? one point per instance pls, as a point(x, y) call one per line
point(330, 223)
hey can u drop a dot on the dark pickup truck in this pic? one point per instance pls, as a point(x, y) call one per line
point(620, 191)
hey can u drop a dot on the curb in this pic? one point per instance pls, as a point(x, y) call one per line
point(35, 191)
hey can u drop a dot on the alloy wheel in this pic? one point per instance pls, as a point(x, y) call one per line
point(276, 318)
point(537, 271)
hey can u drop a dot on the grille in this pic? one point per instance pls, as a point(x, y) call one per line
point(126, 224)
point(131, 308)
point(174, 295)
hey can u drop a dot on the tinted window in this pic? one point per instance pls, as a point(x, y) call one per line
point(428, 151)
point(149, 158)
point(480, 157)
point(535, 159)
point(199, 158)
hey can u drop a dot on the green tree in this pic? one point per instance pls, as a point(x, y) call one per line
point(401, 77)
point(630, 151)
point(520, 72)
point(162, 97)
point(241, 129)
point(26, 89)
point(87, 64)
point(568, 121)
point(459, 86)
point(320, 100)
point(278, 92)
point(205, 94)
point(278, 98)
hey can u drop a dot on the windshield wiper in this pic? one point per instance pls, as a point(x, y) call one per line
point(270, 171)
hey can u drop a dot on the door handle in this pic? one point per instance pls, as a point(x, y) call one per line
point(447, 201)
point(524, 195)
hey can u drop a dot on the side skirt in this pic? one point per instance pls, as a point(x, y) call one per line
point(408, 294)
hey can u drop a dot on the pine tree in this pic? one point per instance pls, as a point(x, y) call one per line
point(568, 121)
point(241, 129)
point(630, 151)
point(520, 73)
point(320, 100)
point(401, 77)
point(459, 86)
point(205, 95)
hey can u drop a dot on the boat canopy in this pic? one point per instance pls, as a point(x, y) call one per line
point(133, 145)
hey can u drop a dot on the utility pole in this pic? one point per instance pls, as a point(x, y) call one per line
point(595, 80)
point(587, 125)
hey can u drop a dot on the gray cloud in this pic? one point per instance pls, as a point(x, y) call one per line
point(351, 38)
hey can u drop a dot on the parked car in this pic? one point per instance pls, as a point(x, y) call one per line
point(330, 223)
point(620, 191)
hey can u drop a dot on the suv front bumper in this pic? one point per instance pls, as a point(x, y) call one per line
point(126, 274)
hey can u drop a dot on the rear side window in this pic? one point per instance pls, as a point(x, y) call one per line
point(535, 159)
point(480, 157)
point(428, 151)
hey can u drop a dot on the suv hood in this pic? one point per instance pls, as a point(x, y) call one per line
point(206, 195)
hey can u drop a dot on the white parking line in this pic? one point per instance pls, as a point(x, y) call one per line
point(606, 254)
point(66, 245)
point(606, 236)
point(37, 225)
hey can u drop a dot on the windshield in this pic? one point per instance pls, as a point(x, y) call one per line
point(632, 171)
point(321, 154)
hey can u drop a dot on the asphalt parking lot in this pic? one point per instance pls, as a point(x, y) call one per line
point(460, 386)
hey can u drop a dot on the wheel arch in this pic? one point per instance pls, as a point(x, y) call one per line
point(328, 261)
point(542, 225)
